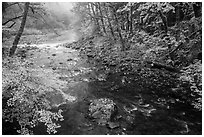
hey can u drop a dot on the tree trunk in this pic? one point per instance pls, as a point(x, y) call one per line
point(178, 10)
point(164, 20)
point(119, 31)
point(91, 16)
point(20, 31)
point(197, 8)
point(95, 18)
point(128, 22)
point(4, 6)
point(163, 66)
point(109, 22)
point(102, 21)
point(130, 19)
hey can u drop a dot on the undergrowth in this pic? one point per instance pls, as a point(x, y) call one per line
point(24, 98)
point(192, 79)
point(143, 48)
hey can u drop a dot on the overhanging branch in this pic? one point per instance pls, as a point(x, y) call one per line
point(12, 19)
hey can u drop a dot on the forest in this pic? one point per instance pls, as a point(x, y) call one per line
point(101, 68)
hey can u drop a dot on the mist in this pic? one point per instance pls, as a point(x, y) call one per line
point(59, 7)
point(64, 10)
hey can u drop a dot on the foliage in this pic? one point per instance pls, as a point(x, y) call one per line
point(192, 75)
point(24, 98)
point(178, 47)
point(41, 17)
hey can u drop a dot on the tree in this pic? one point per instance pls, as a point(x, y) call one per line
point(118, 27)
point(131, 18)
point(109, 21)
point(20, 31)
point(93, 8)
point(164, 20)
point(101, 17)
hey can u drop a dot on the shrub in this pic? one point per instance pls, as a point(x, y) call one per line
point(24, 99)
point(192, 75)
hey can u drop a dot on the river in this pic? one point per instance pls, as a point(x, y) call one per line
point(76, 82)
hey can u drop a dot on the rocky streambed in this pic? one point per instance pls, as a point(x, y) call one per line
point(98, 103)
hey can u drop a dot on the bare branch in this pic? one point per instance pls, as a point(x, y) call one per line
point(12, 19)
point(20, 6)
point(12, 25)
point(32, 9)
point(9, 5)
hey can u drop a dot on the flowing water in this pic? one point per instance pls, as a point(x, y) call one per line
point(76, 82)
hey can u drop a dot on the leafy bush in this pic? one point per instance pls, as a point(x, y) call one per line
point(24, 98)
point(193, 76)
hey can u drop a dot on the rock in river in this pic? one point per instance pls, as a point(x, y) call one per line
point(102, 110)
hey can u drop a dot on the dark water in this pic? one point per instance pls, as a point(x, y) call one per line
point(141, 110)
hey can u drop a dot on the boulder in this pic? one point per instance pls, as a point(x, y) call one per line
point(103, 111)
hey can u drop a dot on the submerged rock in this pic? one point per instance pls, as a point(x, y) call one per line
point(113, 125)
point(103, 111)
